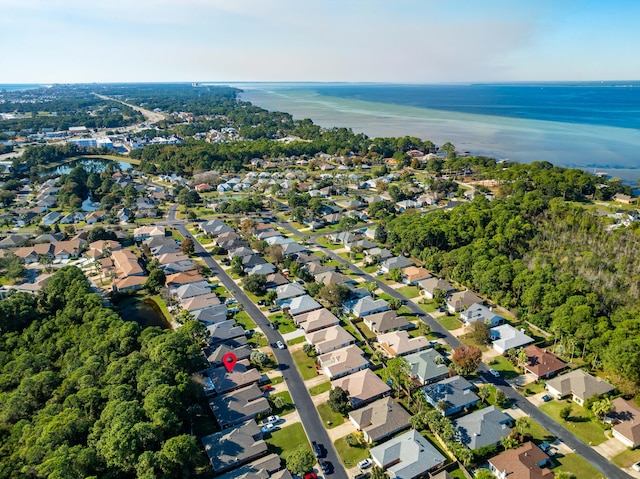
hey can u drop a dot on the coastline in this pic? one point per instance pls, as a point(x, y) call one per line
point(593, 148)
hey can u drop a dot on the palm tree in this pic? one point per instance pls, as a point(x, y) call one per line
point(483, 393)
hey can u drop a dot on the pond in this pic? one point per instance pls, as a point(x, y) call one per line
point(91, 165)
point(145, 312)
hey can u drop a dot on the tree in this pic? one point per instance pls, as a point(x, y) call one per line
point(602, 407)
point(466, 359)
point(522, 424)
point(485, 474)
point(183, 316)
point(339, 400)
point(256, 284)
point(334, 294)
point(381, 234)
point(236, 266)
point(156, 280)
point(259, 358)
point(522, 356)
point(301, 460)
point(187, 246)
point(565, 412)
point(271, 297)
point(480, 333)
point(178, 456)
point(397, 372)
point(439, 296)
point(277, 402)
point(500, 397)
point(565, 475)
point(394, 303)
point(484, 392)
point(274, 253)
point(378, 473)
point(307, 349)
point(395, 274)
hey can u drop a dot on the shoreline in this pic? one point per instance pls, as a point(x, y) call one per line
point(592, 148)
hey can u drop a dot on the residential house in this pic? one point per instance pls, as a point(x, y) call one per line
point(234, 447)
point(316, 320)
point(329, 277)
point(212, 315)
point(95, 216)
point(240, 252)
point(386, 321)
point(362, 244)
point(226, 330)
point(187, 291)
point(399, 343)
point(124, 215)
point(414, 274)
point(525, 462)
point(215, 354)
point(461, 300)
point(506, 337)
point(482, 428)
point(404, 205)
point(288, 291)
point(186, 277)
point(407, 456)
point(267, 467)
point(343, 361)
point(363, 387)
point(625, 199)
point(626, 418)
point(240, 376)
point(126, 263)
point(215, 227)
point(396, 262)
point(451, 395)
point(479, 312)
point(197, 303)
point(274, 280)
point(315, 268)
point(365, 306)
point(380, 419)
point(329, 339)
point(301, 304)
point(289, 249)
point(542, 364)
point(427, 366)
point(264, 268)
point(579, 385)
point(51, 218)
point(150, 231)
point(239, 406)
point(429, 286)
point(376, 255)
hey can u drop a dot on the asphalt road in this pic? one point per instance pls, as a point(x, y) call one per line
point(308, 413)
point(609, 470)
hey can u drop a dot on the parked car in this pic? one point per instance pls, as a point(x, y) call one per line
point(316, 449)
point(274, 326)
point(365, 463)
point(545, 446)
point(362, 475)
point(310, 475)
point(636, 466)
point(267, 388)
point(494, 373)
point(326, 467)
point(274, 309)
point(546, 398)
point(271, 420)
point(268, 427)
point(280, 345)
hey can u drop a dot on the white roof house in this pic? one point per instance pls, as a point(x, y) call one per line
point(507, 337)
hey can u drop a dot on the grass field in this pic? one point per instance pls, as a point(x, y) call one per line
point(306, 364)
point(286, 440)
point(409, 291)
point(449, 322)
point(329, 418)
point(581, 422)
point(626, 458)
point(504, 367)
point(351, 455)
point(244, 320)
point(287, 408)
point(320, 388)
point(294, 341)
point(580, 468)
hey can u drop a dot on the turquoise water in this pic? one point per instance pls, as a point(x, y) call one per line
point(17, 86)
point(575, 125)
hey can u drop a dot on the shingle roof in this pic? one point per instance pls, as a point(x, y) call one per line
point(482, 428)
point(381, 418)
point(408, 455)
point(522, 462)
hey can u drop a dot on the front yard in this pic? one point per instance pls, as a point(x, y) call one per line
point(577, 466)
point(329, 418)
point(351, 455)
point(286, 440)
point(306, 365)
point(581, 422)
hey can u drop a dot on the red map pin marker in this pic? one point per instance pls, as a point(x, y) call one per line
point(229, 360)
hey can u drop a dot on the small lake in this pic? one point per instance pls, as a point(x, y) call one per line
point(91, 165)
point(145, 312)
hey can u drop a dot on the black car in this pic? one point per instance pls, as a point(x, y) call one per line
point(326, 467)
point(316, 449)
point(362, 475)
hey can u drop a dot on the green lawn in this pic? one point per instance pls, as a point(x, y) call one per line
point(329, 418)
point(287, 408)
point(258, 340)
point(580, 468)
point(449, 322)
point(429, 307)
point(244, 320)
point(538, 433)
point(533, 388)
point(295, 341)
point(350, 455)
point(306, 364)
point(285, 325)
point(321, 240)
point(284, 441)
point(176, 235)
point(276, 380)
point(581, 422)
point(409, 291)
point(626, 458)
point(365, 331)
point(163, 306)
point(504, 367)
point(320, 388)
point(457, 474)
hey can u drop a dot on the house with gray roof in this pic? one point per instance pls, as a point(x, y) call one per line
point(579, 385)
point(506, 337)
point(395, 262)
point(480, 312)
point(429, 286)
point(407, 456)
point(239, 406)
point(343, 361)
point(214, 354)
point(486, 427)
point(267, 467)
point(380, 419)
point(234, 447)
point(365, 306)
point(329, 277)
point(240, 376)
point(461, 300)
point(219, 332)
point(301, 304)
point(264, 268)
point(376, 255)
point(427, 366)
point(450, 395)
point(293, 248)
point(187, 291)
point(215, 227)
point(315, 320)
point(386, 321)
point(289, 291)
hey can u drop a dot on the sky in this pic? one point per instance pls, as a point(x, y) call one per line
point(400, 41)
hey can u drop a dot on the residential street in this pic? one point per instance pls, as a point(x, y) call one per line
point(308, 414)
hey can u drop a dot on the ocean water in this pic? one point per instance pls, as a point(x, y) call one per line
point(591, 126)
point(16, 86)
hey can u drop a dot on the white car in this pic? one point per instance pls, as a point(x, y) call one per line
point(268, 427)
point(365, 463)
point(280, 344)
point(271, 420)
point(494, 373)
point(636, 466)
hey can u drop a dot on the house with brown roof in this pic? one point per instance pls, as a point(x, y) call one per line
point(414, 274)
point(316, 320)
point(627, 416)
point(525, 462)
point(380, 419)
point(461, 300)
point(399, 343)
point(429, 286)
point(184, 277)
point(329, 339)
point(343, 361)
point(542, 364)
point(386, 321)
point(363, 387)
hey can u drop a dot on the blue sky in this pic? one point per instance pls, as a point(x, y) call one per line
point(421, 41)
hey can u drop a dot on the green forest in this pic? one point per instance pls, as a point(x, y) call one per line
point(85, 394)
